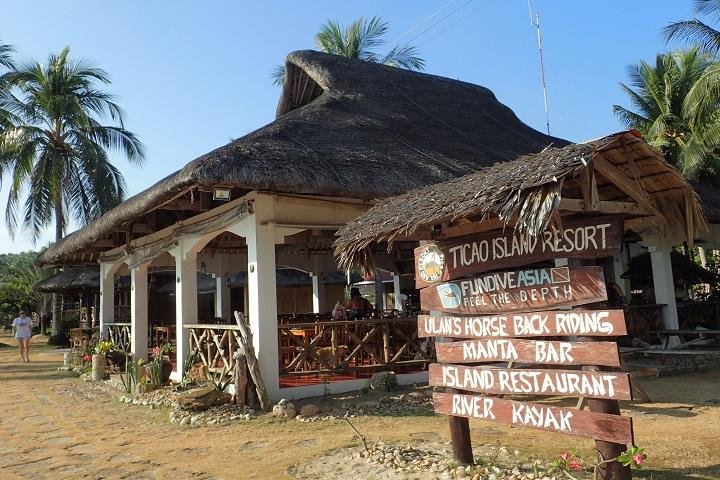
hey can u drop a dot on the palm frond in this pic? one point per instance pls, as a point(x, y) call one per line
point(404, 56)
point(278, 75)
point(6, 56)
point(694, 32)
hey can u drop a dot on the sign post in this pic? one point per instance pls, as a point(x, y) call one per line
point(523, 317)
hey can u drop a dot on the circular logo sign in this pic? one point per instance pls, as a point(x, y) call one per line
point(431, 263)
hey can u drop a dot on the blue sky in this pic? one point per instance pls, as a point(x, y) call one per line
point(193, 75)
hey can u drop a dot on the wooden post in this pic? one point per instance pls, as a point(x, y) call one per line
point(607, 450)
point(459, 430)
point(249, 351)
point(241, 380)
point(460, 436)
point(386, 343)
point(334, 347)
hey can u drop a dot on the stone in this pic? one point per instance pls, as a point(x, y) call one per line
point(309, 410)
point(383, 381)
point(284, 409)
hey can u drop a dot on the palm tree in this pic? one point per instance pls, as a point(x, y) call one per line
point(6, 62)
point(674, 112)
point(696, 31)
point(57, 148)
point(360, 40)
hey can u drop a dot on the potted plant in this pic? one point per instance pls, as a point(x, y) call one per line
point(99, 364)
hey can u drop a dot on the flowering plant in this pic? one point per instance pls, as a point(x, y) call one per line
point(156, 364)
point(633, 457)
point(104, 346)
point(565, 462)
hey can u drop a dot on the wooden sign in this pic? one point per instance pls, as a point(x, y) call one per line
point(524, 290)
point(592, 323)
point(529, 351)
point(509, 381)
point(601, 426)
point(465, 256)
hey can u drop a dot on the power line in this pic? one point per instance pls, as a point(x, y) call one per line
point(456, 22)
point(394, 42)
point(439, 21)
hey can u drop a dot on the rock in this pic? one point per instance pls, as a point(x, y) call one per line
point(383, 381)
point(417, 395)
point(284, 409)
point(202, 399)
point(309, 410)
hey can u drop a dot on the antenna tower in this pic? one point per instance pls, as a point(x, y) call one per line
point(536, 23)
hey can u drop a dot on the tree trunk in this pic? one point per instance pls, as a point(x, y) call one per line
point(59, 227)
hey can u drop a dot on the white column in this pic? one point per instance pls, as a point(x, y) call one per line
point(219, 291)
point(139, 310)
point(185, 299)
point(664, 285)
point(107, 297)
point(396, 289)
point(318, 290)
point(262, 298)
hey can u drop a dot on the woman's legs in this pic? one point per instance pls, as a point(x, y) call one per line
point(24, 348)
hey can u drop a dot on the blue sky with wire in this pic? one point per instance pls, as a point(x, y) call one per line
point(193, 75)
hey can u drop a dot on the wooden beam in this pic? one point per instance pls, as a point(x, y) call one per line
point(185, 204)
point(470, 228)
point(139, 227)
point(626, 184)
point(589, 188)
point(603, 206)
point(104, 243)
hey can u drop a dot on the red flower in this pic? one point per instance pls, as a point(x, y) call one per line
point(565, 455)
point(575, 464)
point(87, 357)
point(156, 351)
point(639, 458)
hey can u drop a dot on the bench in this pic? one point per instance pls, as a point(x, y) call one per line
point(703, 336)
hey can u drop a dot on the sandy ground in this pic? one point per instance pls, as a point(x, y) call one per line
point(54, 426)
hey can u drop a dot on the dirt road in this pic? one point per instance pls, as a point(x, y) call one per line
point(55, 427)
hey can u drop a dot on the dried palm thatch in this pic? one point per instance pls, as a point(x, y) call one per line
point(345, 128)
point(69, 280)
point(528, 192)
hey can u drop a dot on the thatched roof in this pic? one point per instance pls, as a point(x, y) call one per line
point(346, 128)
point(709, 199)
point(527, 192)
point(74, 279)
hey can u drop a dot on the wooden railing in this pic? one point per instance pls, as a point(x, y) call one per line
point(216, 346)
point(338, 346)
point(119, 335)
point(693, 314)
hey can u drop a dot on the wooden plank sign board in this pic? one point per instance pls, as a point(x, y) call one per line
point(520, 381)
point(601, 426)
point(592, 323)
point(520, 290)
point(529, 351)
point(465, 256)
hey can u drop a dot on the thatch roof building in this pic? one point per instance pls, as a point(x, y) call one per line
point(71, 280)
point(628, 178)
point(344, 128)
